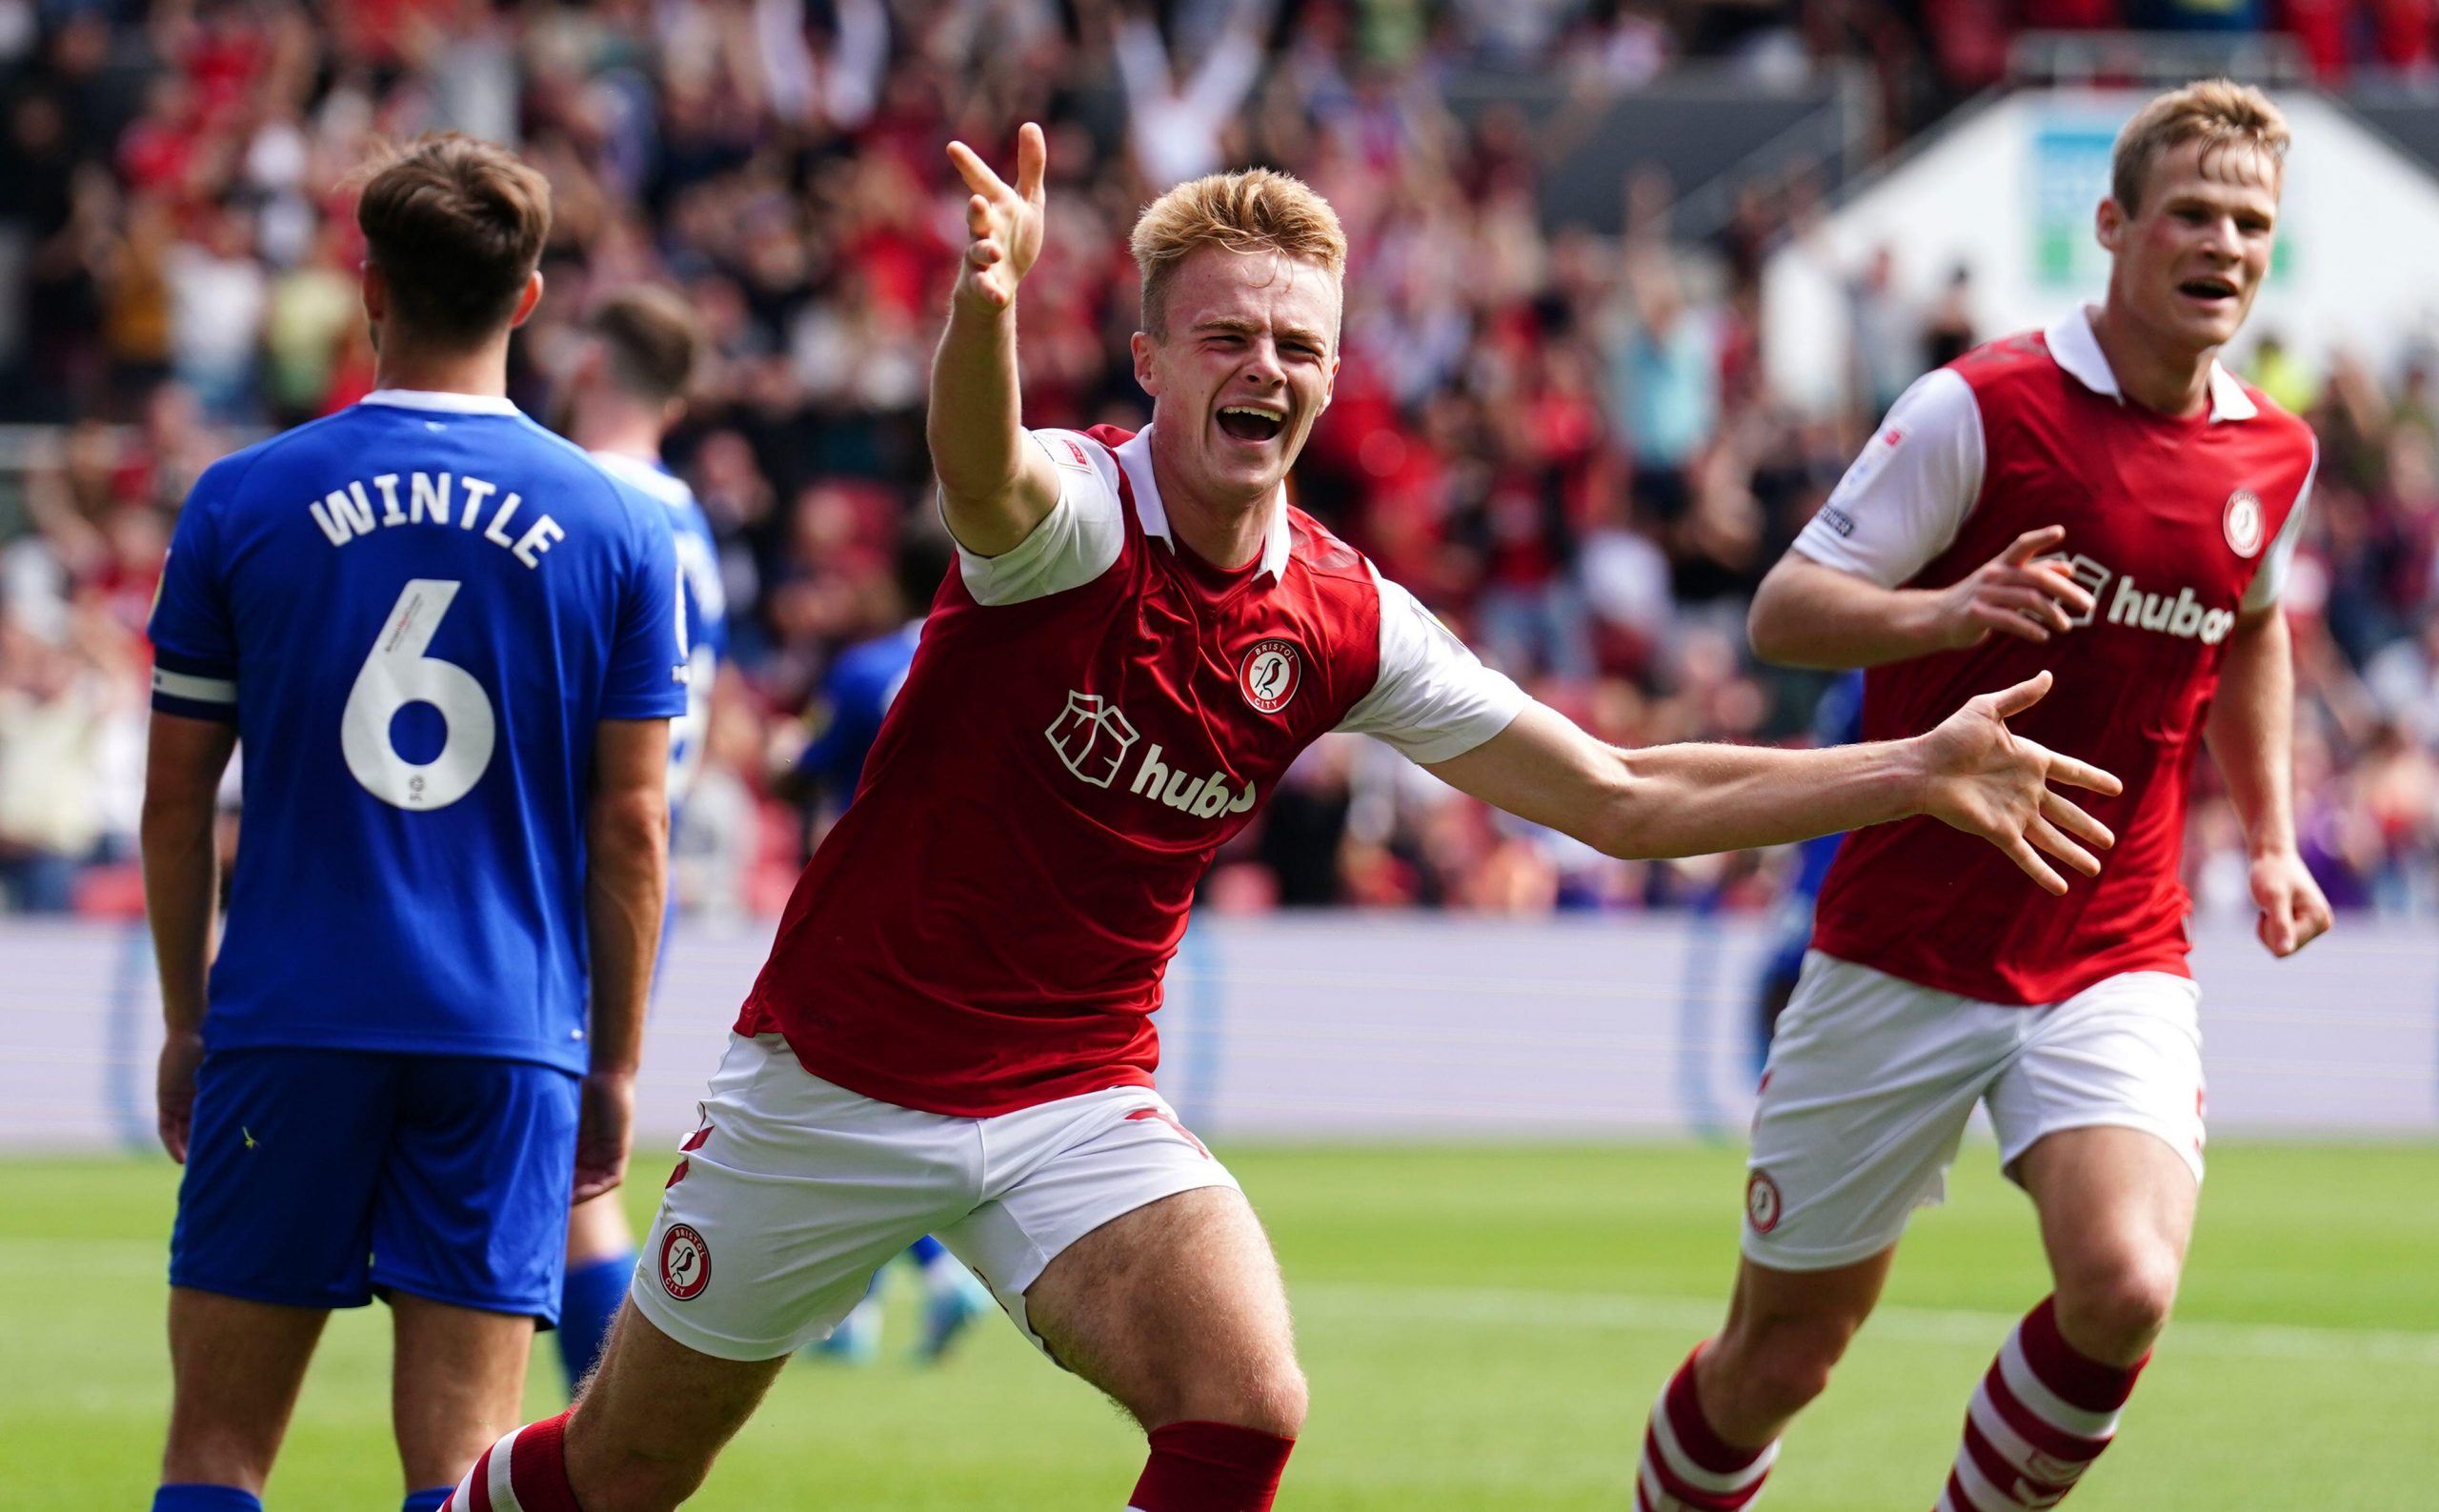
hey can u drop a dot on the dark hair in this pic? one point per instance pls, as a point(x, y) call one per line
point(652, 340)
point(456, 226)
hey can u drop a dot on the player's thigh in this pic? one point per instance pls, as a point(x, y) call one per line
point(1176, 1311)
point(474, 1202)
point(283, 1165)
point(1125, 1251)
point(784, 1201)
point(1869, 1084)
point(2123, 1054)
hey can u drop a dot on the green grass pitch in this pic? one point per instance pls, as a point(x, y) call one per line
point(1485, 1328)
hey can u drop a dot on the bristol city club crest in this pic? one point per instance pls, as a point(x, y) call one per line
point(2243, 523)
point(1762, 1202)
point(685, 1262)
point(1270, 673)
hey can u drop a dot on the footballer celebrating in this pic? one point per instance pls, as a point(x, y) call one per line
point(451, 647)
point(952, 1033)
point(2104, 500)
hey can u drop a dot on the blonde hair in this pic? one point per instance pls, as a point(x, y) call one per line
point(2220, 113)
point(1250, 212)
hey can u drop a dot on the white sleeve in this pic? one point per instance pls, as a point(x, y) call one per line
point(1434, 699)
point(1903, 501)
point(2269, 584)
point(1076, 542)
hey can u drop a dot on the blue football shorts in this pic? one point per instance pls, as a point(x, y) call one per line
point(319, 1178)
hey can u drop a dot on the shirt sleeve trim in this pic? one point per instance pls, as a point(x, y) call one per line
point(192, 689)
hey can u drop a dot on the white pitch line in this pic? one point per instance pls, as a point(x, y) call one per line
point(1492, 1306)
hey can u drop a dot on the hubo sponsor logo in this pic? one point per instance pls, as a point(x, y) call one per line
point(1093, 738)
point(2179, 613)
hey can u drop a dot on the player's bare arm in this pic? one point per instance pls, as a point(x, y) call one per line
point(626, 884)
point(995, 485)
point(182, 773)
point(1808, 613)
point(2250, 733)
point(1971, 772)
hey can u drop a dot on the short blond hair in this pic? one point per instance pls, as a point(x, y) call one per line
point(2220, 113)
point(1251, 211)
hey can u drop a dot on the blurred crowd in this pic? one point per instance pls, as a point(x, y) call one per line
point(1562, 441)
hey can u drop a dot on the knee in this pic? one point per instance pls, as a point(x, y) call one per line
point(1767, 1374)
point(1271, 1397)
point(2114, 1310)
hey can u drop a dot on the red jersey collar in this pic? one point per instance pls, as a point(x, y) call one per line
point(2074, 347)
point(1135, 455)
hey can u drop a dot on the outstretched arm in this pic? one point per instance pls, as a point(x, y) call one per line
point(1971, 772)
point(2251, 735)
point(995, 485)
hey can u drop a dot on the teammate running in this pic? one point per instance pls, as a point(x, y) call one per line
point(952, 1033)
point(450, 646)
point(625, 390)
point(2101, 499)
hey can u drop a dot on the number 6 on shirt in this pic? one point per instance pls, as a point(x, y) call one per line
point(396, 674)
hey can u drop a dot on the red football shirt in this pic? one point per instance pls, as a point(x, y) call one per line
point(1088, 718)
point(2175, 525)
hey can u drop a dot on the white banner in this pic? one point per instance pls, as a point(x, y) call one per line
point(1361, 1026)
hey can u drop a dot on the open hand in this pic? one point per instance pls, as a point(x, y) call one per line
point(1005, 223)
point(2293, 909)
point(1985, 779)
point(2014, 594)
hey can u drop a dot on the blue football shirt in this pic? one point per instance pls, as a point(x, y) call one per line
point(861, 685)
point(706, 607)
point(415, 611)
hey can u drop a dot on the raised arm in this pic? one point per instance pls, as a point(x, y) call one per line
point(626, 883)
point(1838, 598)
point(1808, 613)
point(995, 485)
point(1971, 772)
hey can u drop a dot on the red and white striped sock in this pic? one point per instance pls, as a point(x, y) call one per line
point(526, 1471)
point(2037, 1421)
point(1211, 1467)
point(1686, 1465)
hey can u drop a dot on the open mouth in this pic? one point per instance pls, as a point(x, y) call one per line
point(2212, 289)
point(1249, 423)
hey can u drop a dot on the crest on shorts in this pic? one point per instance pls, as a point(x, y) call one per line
point(1762, 1202)
point(2243, 523)
point(1270, 673)
point(685, 1262)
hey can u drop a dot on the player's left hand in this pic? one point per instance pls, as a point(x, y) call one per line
point(604, 1128)
point(2293, 909)
point(173, 1091)
point(1985, 779)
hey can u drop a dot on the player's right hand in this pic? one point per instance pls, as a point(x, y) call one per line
point(1985, 779)
point(2013, 594)
point(1005, 224)
point(604, 1128)
point(173, 1091)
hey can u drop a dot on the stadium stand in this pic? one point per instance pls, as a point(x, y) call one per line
point(1560, 439)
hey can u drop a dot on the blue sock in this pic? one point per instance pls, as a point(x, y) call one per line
point(926, 1250)
point(427, 1501)
point(204, 1499)
point(589, 1299)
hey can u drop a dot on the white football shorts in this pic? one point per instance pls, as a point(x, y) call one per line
point(1871, 1079)
point(793, 1191)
